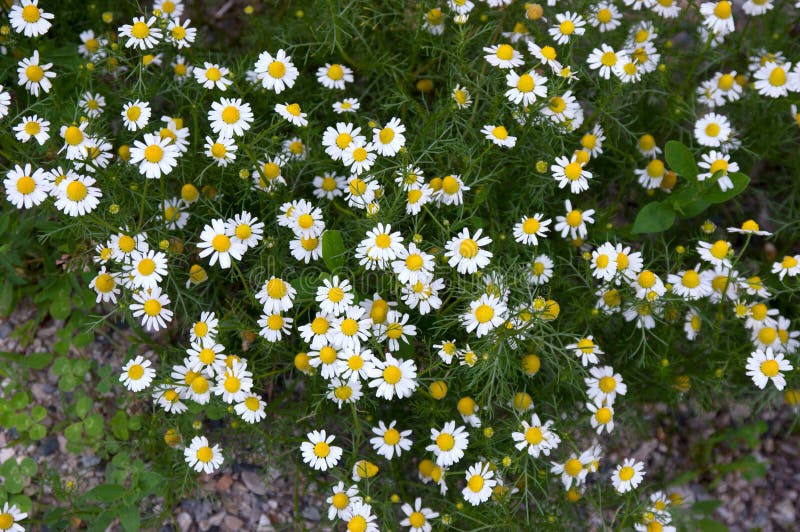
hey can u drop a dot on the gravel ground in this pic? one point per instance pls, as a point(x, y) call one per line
point(243, 497)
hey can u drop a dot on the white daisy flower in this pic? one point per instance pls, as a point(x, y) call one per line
point(449, 444)
point(689, 284)
point(135, 115)
point(571, 172)
point(359, 158)
point(503, 56)
point(329, 186)
point(717, 253)
point(276, 73)
point(201, 456)
point(105, 285)
point(606, 17)
point(230, 117)
point(604, 59)
point(390, 442)
point(416, 517)
point(788, 266)
point(151, 306)
point(526, 87)
point(137, 374)
point(712, 130)
point(26, 187)
point(29, 19)
point(156, 156)
point(35, 76)
point(348, 105)
point(718, 16)
point(540, 270)
point(251, 409)
point(536, 437)
point(341, 500)
point(146, 269)
point(485, 314)
point(393, 377)
point(234, 383)
point(212, 75)
point(465, 252)
point(180, 34)
point(344, 391)
point(389, 139)
point(574, 222)
point(499, 135)
point(586, 349)
point(318, 451)
point(33, 127)
point(141, 34)
point(292, 113)
point(604, 385)
point(452, 190)
point(480, 483)
point(169, 397)
point(216, 240)
point(334, 76)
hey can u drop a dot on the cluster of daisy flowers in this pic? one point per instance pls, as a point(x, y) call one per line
point(366, 348)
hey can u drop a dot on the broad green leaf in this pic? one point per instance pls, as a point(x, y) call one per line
point(94, 426)
point(710, 525)
point(105, 493)
point(38, 413)
point(14, 481)
point(716, 195)
point(38, 360)
point(28, 466)
point(681, 160)
point(333, 250)
point(74, 432)
point(82, 406)
point(37, 432)
point(129, 518)
point(654, 218)
point(60, 308)
point(706, 506)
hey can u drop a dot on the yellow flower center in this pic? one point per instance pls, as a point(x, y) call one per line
point(626, 473)
point(414, 262)
point(573, 171)
point(475, 483)
point(140, 30)
point(788, 262)
point(434, 16)
point(340, 501)
point(767, 335)
point(586, 345)
point(604, 15)
point(557, 104)
point(359, 154)
point(379, 310)
point(549, 52)
point(178, 33)
point(567, 27)
point(534, 435)
point(484, 313)
point(391, 437)
point(205, 454)
point(719, 164)
point(690, 279)
point(153, 153)
point(504, 52)
point(221, 243)
point(603, 415)
point(207, 355)
point(574, 218)
point(416, 520)
point(468, 248)
point(349, 326)
point(723, 9)
point(445, 441)
point(104, 283)
point(450, 185)
point(146, 266)
point(276, 69)
point(525, 83)
point(607, 384)
point(293, 109)
point(386, 135)
point(500, 132)
point(232, 384)
point(327, 355)
point(608, 59)
point(126, 243)
point(777, 78)
point(152, 307)
point(770, 368)
point(218, 150)
point(319, 325)
point(30, 14)
point(713, 129)
point(230, 115)
point(26, 185)
point(573, 467)
point(655, 168)
point(309, 244)
point(726, 82)
point(720, 249)
point(343, 393)
point(392, 374)
point(357, 524)
point(32, 128)
point(73, 135)
point(136, 372)
point(35, 73)
point(647, 279)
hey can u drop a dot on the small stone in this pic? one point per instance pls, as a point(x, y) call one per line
point(5, 329)
point(254, 482)
point(264, 525)
point(223, 484)
point(48, 446)
point(231, 523)
point(311, 513)
point(184, 521)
